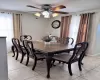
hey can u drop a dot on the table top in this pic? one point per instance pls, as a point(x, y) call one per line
point(52, 47)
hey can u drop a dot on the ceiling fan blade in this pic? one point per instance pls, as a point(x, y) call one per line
point(33, 7)
point(58, 7)
point(60, 12)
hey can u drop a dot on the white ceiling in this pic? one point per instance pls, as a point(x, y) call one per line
point(72, 5)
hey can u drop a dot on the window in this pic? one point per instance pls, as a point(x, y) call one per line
point(74, 27)
point(6, 28)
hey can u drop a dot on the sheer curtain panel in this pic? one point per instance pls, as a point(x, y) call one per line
point(74, 27)
point(6, 28)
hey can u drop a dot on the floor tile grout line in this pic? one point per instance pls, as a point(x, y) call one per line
point(33, 76)
point(79, 77)
point(40, 74)
point(28, 78)
point(88, 71)
point(15, 69)
point(68, 74)
point(93, 68)
point(74, 74)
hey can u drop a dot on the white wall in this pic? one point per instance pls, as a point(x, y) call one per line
point(40, 27)
point(94, 44)
point(34, 27)
point(97, 35)
point(52, 31)
point(97, 44)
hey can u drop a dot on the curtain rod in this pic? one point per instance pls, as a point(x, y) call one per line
point(11, 11)
point(5, 12)
point(85, 13)
point(79, 13)
point(8, 12)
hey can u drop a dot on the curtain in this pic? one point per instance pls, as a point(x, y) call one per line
point(84, 27)
point(17, 25)
point(74, 27)
point(65, 23)
point(6, 28)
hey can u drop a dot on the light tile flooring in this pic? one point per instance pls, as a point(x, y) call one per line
point(18, 71)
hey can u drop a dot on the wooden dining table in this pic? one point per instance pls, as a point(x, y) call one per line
point(50, 49)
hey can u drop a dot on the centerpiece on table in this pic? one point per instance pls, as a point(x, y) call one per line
point(47, 39)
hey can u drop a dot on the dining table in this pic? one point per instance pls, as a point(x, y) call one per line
point(50, 49)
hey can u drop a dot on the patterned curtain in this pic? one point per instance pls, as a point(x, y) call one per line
point(84, 27)
point(65, 24)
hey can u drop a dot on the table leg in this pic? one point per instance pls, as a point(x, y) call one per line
point(48, 60)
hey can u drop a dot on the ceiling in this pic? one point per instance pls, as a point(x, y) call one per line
point(72, 5)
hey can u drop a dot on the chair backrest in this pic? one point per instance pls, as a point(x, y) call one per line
point(25, 37)
point(79, 51)
point(85, 46)
point(17, 45)
point(68, 40)
point(72, 41)
point(28, 45)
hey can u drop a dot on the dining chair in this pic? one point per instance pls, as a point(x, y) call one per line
point(25, 37)
point(18, 49)
point(32, 53)
point(77, 56)
point(68, 40)
point(59, 40)
point(22, 37)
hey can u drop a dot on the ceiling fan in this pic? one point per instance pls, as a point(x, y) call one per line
point(47, 10)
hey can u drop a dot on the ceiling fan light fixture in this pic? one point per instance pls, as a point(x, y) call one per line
point(55, 14)
point(47, 16)
point(45, 13)
point(37, 14)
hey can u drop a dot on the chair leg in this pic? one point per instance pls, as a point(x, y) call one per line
point(82, 63)
point(82, 59)
point(17, 55)
point(22, 58)
point(59, 62)
point(34, 65)
point(79, 65)
point(13, 51)
point(53, 62)
point(27, 60)
point(69, 68)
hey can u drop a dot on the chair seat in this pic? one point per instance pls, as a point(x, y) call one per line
point(38, 55)
point(62, 57)
point(24, 51)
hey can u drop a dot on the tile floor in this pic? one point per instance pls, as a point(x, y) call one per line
point(18, 71)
